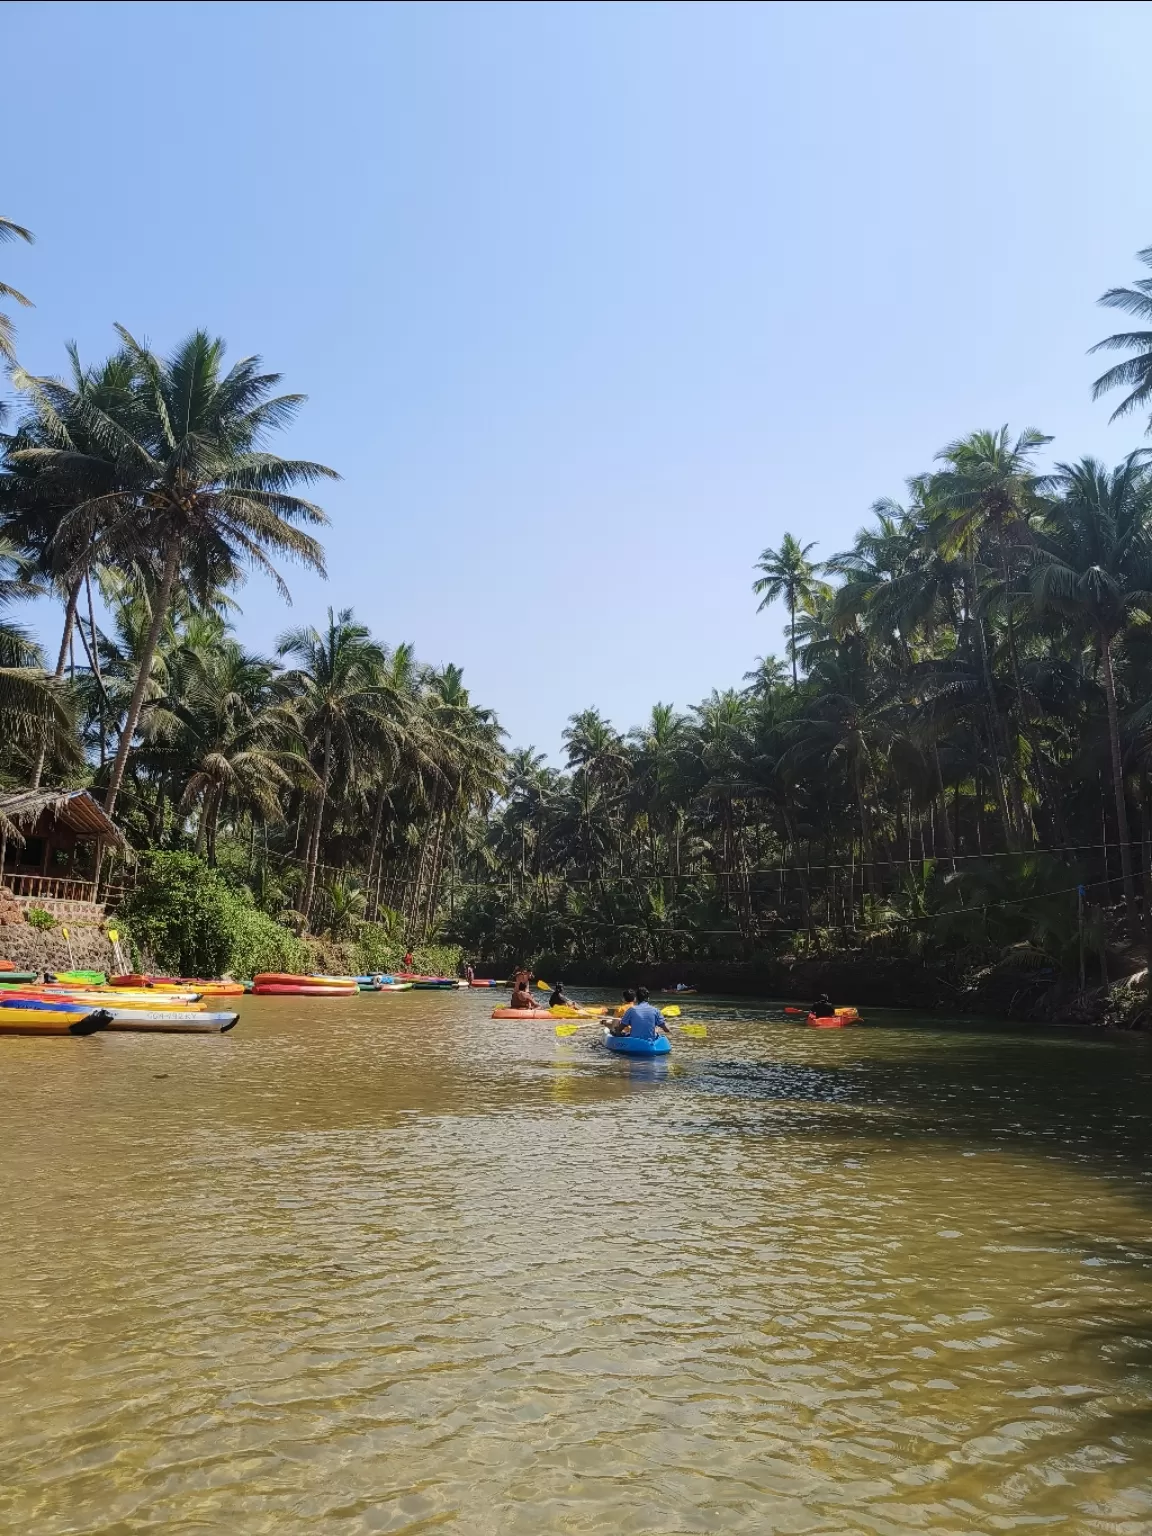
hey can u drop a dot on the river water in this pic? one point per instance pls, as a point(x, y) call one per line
point(385, 1265)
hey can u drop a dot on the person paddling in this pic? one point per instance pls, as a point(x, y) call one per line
point(822, 1008)
point(522, 997)
point(558, 999)
point(642, 1021)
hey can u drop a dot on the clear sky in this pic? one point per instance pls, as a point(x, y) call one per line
point(591, 302)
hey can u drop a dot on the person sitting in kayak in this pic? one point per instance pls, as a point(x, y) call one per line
point(522, 997)
point(558, 1000)
point(822, 1008)
point(642, 1021)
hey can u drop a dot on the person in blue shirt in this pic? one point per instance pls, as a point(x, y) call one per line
point(641, 1021)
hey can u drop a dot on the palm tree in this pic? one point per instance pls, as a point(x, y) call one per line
point(11, 231)
point(1094, 566)
point(789, 574)
point(32, 704)
point(1135, 373)
point(195, 491)
point(981, 507)
point(345, 710)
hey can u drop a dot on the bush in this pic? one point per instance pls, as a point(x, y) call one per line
point(36, 917)
point(188, 921)
point(260, 943)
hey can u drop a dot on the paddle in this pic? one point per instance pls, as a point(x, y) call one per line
point(695, 1031)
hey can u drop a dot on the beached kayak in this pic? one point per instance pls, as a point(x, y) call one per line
point(42, 1021)
point(624, 1045)
point(13, 976)
point(66, 997)
point(302, 989)
point(206, 987)
point(475, 983)
point(436, 984)
point(394, 986)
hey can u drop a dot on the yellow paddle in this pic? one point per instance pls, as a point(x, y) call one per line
point(543, 985)
point(695, 1031)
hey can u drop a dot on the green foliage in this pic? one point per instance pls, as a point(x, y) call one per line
point(36, 917)
point(259, 943)
point(185, 919)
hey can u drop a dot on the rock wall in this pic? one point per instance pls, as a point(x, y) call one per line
point(32, 949)
point(87, 947)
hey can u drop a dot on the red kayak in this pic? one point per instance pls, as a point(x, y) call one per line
point(282, 989)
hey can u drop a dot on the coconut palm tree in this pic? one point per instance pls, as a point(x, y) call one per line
point(346, 710)
point(788, 573)
point(194, 490)
point(32, 704)
point(11, 231)
point(1135, 373)
point(1093, 564)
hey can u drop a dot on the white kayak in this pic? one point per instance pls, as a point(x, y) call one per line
point(172, 1023)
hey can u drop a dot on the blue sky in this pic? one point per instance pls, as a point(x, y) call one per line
point(591, 302)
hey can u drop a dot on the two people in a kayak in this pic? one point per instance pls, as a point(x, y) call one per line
point(640, 1020)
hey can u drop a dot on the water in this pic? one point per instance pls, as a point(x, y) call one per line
point(385, 1265)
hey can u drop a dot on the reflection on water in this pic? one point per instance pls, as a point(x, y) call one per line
point(386, 1265)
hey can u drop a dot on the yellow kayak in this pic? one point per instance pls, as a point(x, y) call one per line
point(577, 1013)
point(37, 1021)
point(84, 1001)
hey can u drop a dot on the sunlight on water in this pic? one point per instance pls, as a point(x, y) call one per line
point(386, 1265)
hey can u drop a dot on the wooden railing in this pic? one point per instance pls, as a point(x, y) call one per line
point(50, 887)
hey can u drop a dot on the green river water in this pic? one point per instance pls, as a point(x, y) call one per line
point(386, 1265)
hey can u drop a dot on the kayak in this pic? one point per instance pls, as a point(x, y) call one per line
point(577, 1013)
point(7, 976)
point(521, 1013)
point(297, 979)
point(849, 1015)
point(676, 992)
point(436, 984)
point(302, 989)
point(104, 995)
point(158, 1022)
point(205, 987)
point(35, 1021)
point(84, 978)
point(73, 1002)
point(394, 986)
point(816, 1022)
point(475, 983)
point(97, 994)
point(624, 1045)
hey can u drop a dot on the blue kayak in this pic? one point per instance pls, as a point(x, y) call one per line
point(626, 1046)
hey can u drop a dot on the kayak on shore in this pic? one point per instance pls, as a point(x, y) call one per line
point(624, 1045)
point(36, 1021)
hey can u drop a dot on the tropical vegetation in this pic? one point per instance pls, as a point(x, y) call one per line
point(953, 755)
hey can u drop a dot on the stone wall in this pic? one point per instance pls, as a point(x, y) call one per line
point(88, 912)
point(31, 949)
point(87, 947)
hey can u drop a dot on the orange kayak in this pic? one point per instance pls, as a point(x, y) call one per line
point(521, 1013)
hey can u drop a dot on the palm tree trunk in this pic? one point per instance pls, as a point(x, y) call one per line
point(1118, 788)
point(314, 840)
point(377, 820)
point(792, 612)
point(161, 603)
point(61, 663)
